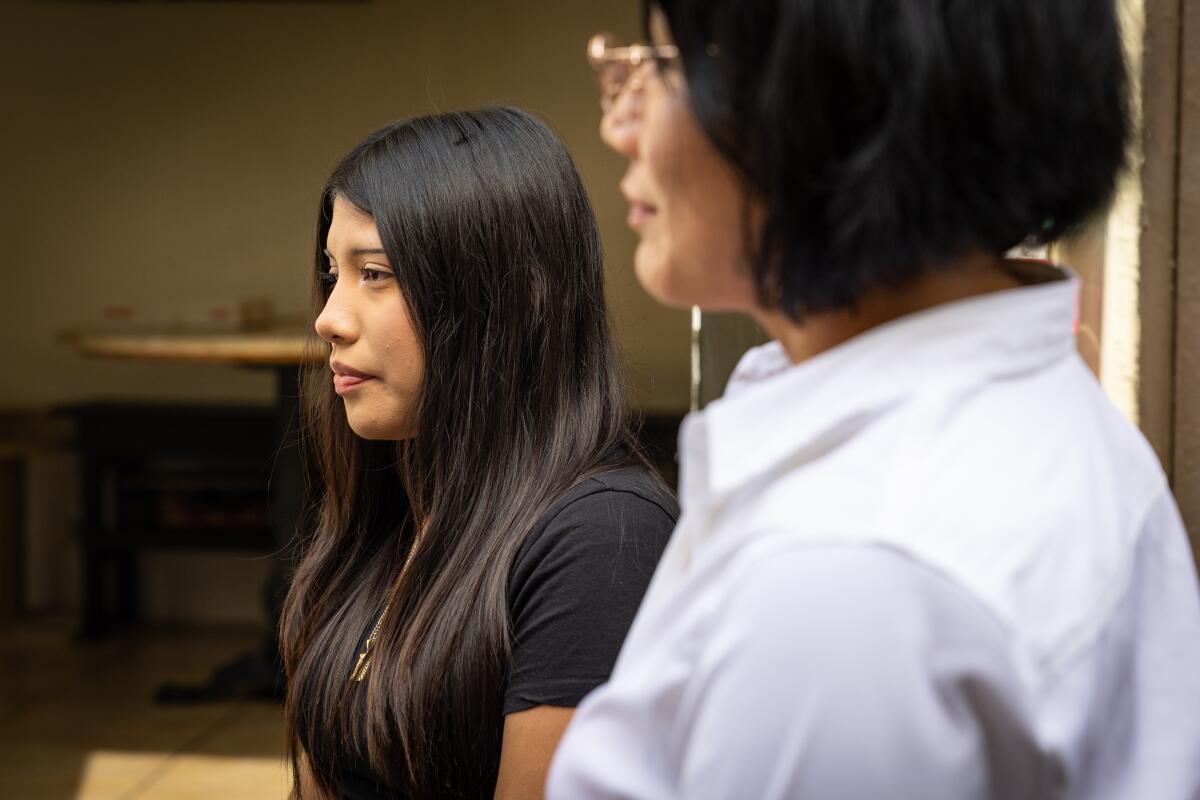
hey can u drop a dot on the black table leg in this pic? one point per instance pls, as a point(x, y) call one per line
point(94, 619)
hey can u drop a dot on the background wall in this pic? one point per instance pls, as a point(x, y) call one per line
point(169, 156)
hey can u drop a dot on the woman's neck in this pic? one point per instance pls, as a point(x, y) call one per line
point(973, 275)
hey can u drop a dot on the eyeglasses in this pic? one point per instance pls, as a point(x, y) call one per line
point(614, 64)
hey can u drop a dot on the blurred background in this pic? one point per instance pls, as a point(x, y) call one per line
point(161, 165)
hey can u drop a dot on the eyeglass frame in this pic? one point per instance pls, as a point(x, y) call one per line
point(601, 54)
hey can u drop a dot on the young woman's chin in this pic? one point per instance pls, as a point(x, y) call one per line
point(378, 427)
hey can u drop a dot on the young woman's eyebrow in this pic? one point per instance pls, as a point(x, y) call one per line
point(359, 251)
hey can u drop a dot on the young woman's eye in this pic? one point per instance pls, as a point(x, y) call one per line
point(375, 275)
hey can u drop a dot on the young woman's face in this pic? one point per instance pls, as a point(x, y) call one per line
point(377, 360)
point(686, 201)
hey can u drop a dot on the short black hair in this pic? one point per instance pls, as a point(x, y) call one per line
point(887, 137)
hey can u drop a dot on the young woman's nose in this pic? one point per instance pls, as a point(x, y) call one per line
point(336, 324)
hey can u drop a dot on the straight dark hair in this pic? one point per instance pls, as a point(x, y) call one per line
point(495, 248)
point(887, 137)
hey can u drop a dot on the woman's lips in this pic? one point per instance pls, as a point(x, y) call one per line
point(348, 383)
point(640, 214)
point(347, 378)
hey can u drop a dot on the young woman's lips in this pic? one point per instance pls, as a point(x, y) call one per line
point(347, 379)
point(348, 383)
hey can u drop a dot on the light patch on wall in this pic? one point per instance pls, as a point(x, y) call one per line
point(1120, 345)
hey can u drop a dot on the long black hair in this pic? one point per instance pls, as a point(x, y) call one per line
point(887, 137)
point(495, 248)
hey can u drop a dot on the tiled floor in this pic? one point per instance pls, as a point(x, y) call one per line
point(78, 721)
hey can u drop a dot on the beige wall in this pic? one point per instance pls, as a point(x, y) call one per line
point(169, 156)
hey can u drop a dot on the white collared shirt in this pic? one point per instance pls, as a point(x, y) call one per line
point(933, 562)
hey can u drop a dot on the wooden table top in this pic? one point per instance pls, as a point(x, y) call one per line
point(280, 346)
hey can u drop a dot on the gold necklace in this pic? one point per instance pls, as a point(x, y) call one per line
point(364, 658)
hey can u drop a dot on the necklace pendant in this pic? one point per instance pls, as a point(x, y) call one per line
point(360, 668)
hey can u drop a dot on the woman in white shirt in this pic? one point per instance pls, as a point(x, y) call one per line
point(921, 555)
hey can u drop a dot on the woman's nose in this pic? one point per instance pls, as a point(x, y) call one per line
point(336, 324)
point(622, 122)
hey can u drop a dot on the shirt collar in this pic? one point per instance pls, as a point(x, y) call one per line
point(775, 412)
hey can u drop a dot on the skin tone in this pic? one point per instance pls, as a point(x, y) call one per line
point(689, 207)
point(677, 187)
point(377, 366)
point(530, 738)
point(376, 358)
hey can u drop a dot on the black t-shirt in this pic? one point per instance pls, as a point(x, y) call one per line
point(575, 586)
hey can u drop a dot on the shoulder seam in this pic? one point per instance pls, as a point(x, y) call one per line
point(603, 489)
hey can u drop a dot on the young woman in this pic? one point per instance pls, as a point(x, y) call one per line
point(485, 529)
point(921, 555)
